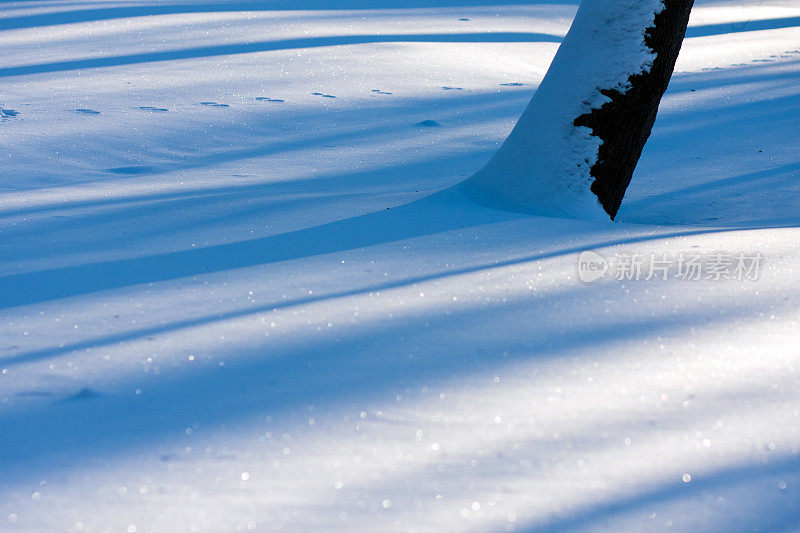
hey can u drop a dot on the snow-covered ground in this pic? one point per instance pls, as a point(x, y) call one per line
point(233, 296)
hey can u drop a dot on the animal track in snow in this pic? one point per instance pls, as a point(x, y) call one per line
point(452, 88)
point(213, 104)
point(324, 95)
point(8, 113)
point(267, 99)
point(151, 108)
point(84, 394)
point(88, 111)
point(378, 91)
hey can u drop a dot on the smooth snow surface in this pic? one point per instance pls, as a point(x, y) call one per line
point(238, 290)
point(544, 166)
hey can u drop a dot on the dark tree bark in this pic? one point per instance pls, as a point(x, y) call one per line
point(624, 124)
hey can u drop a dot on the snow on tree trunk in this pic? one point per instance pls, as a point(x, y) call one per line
point(575, 148)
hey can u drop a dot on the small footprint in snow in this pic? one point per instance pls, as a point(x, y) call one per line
point(378, 91)
point(84, 394)
point(213, 104)
point(452, 88)
point(267, 99)
point(88, 111)
point(514, 84)
point(151, 108)
point(8, 113)
point(428, 124)
point(324, 95)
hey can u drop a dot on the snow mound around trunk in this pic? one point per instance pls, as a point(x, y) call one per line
point(544, 165)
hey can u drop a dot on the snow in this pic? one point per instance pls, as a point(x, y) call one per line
point(282, 314)
point(544, 166)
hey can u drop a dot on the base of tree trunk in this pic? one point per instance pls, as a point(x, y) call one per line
point(624, 124)
point(574, 149)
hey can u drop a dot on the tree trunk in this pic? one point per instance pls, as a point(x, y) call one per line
point(575, 147)
point(624, 124)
